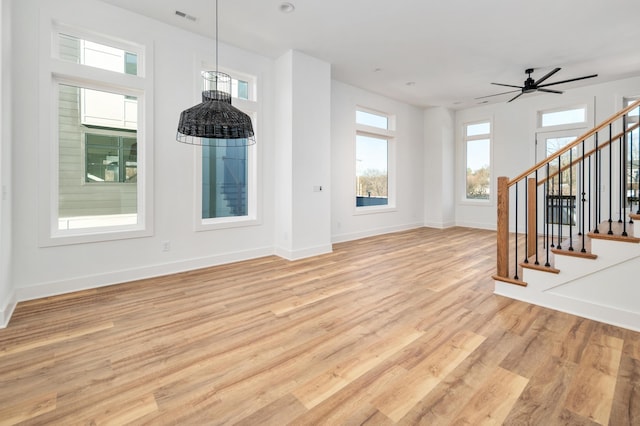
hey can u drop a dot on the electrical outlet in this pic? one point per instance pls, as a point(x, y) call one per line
point(166, 245)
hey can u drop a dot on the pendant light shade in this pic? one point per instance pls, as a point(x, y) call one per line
point(214, 121)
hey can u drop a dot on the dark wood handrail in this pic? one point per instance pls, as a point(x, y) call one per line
point(575, 143)
point(587, 154)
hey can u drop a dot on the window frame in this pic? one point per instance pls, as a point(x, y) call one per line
point(251, 107)
point(465, 141)
point(564, 126)
point(55, 72)
point(388, 134)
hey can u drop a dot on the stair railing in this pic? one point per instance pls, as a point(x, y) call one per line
point(570, 181)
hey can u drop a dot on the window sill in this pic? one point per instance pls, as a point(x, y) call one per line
point(374, 210)
point(226, 223)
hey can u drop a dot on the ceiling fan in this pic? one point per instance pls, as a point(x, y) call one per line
point(530, 85)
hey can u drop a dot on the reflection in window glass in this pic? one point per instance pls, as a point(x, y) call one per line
point(372, 183)
point(224, 181)
point(97, 55)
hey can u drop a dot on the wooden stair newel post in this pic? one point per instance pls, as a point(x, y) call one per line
point(532, 216)
point(503, 228)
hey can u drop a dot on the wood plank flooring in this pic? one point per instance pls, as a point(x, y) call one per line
point(395, 329)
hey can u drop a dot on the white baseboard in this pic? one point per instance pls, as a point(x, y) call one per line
point(53, 288)
point(303, 253)
point(439, 225)
point(585, 309)
point(341, 238)
point(477, 225)
point(6, 310)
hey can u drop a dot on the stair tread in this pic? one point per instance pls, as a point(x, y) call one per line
point(616, 228)
point(577, 244)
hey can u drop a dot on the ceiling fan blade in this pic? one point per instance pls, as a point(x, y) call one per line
point(515, 97)
point(567, 81)
point(497, 94)
point(547, 76)
point(507, 85)
point(550, 91)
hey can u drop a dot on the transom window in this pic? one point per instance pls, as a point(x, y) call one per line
point(562, 117)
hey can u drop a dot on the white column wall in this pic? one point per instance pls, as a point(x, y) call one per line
point(439, 167)
point(7, 297)
point(303, 207)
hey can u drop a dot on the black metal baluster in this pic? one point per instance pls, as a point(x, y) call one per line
point(620, 192)
point(544, 215)
point(582, 200)
point(546, 210)
point(634, 194)
point(633, 188)
point(515, 277)
point(610, 232)
point(526, 219)
point(589, 192)
point(623, 170)
point(570, 199)
point(559, 247)
point(596, 177)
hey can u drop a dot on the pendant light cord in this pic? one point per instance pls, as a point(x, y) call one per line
point(217, 75)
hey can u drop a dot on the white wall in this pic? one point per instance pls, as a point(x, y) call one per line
point(514, 129)
point(7, 298)
point(439, 164)
point(302, 155)
point(346, 224)
point(41, 271)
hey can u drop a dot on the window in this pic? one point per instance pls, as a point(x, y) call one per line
point(110, 158)
point(374, 138)
point(98, 191)
point(562, 117)
point(227, 189)
point(477, 144)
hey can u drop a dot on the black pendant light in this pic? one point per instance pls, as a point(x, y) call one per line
point(214, 121)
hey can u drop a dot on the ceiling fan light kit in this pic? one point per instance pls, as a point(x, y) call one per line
point(530, 85)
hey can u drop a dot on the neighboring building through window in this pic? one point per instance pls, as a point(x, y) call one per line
point(373, 141)
point(477, 143)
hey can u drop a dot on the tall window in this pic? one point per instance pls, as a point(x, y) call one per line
point(227, 174)
point(100, 185)
point(477, 142)
point(373, 142)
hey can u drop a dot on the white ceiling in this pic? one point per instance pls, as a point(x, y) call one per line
point(451, 49)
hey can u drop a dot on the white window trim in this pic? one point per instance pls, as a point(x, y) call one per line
point(252, 108)
point(470, 201)
point(55, 71)
point(587, 123)
point(377, 132)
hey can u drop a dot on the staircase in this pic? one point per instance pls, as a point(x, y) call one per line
point(567, 233)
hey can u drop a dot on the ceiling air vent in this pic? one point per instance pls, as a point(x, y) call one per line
point(186, 16)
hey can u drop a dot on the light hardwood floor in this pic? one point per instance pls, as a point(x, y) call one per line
point(395, 329)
